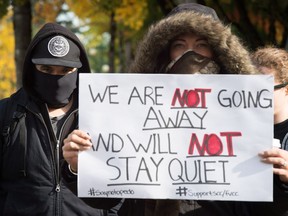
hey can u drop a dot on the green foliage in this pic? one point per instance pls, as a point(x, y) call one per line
point(4, 7)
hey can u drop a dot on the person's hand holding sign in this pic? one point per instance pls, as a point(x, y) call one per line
point(76, 141)
point(279, 158)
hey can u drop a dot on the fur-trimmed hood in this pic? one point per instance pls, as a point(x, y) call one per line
point(230, 54)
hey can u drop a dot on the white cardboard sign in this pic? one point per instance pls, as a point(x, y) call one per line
point(176, 136)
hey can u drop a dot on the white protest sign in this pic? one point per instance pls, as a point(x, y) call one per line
point(176, 136)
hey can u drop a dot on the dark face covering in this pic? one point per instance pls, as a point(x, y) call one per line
point(191, 63)
point(55, 90)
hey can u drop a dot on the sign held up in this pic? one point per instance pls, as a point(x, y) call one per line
point(176, 136)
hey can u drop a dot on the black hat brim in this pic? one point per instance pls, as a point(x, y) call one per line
point(57, 62)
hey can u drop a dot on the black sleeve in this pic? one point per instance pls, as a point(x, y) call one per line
point(221, 208)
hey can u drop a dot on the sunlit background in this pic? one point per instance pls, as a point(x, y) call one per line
point(110, 29)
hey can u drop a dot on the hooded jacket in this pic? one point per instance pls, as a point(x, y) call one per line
point(152, 56)
point(230, 53)
point(35, 179)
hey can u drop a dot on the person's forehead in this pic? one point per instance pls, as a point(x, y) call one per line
point(190, 35)
point(266, 70)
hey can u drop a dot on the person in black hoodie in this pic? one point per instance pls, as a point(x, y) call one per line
point(35, 177)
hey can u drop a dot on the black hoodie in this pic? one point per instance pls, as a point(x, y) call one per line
point(35, 179)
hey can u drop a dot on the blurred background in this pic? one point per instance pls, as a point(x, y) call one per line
point(110, 29)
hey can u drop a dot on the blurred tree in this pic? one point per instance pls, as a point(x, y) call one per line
point(22, 34)
point(22, 25)
point(7, 66)
point(45, 11)
point(121, 19)
point(4, 4)
point(22, 30)
point(97, 15)
point(111, 29)
point(167, 5)
point(257, 22)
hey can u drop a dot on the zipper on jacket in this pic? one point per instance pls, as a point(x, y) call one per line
point(57, 162)
point(57, 152)
point(57, 189)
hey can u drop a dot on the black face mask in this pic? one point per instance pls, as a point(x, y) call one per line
point(191, 63)
point(55, 90)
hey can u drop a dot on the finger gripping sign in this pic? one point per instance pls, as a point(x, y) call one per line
point(176, 136)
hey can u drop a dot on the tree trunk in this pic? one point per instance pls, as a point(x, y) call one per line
point(22, 32)
point(112, 43)
point(128, 55)
point(253, 37)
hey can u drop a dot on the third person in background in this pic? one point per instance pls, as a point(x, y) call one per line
point(274, 61)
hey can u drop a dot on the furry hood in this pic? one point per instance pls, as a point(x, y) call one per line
point(230, 54)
